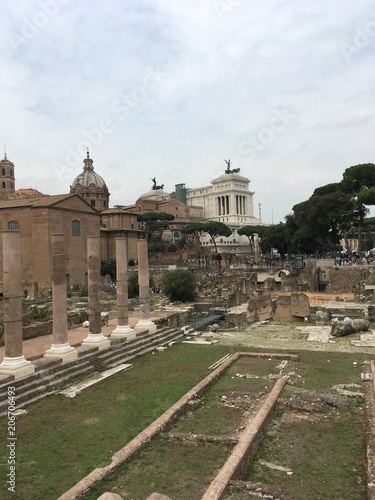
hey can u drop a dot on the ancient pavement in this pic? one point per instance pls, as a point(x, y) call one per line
point(268, 335)
point(34, 348)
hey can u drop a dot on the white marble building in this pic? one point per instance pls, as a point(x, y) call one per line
point(228, 200)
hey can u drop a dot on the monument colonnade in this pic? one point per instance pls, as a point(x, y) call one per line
point(14, 362)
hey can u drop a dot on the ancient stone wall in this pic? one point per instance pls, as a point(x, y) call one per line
point(291, 307)
point(300, 305)
point(37, 330)
point(347, 279)
point(233, 288)
point(260, 309)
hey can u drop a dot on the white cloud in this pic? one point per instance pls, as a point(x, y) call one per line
point(74, 76)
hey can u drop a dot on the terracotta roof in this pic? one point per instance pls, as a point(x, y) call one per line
point(117, 209)
point(27, 192)
point(35, 201)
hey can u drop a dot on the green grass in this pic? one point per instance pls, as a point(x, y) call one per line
point(61, 440)
point(325, 451)
point(175, 468)
point(327, 457)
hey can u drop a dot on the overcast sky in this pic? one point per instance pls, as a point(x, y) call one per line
point(170, 89)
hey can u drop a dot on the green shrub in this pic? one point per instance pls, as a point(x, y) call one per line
point(38, 313)
point(108, 267)
point(179, 285)
point(155, 246)
point(131, 262)
point(172, 248)
point(133, 285)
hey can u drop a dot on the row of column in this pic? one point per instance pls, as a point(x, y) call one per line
point(223, 205)
point(240, 204)
point(14, 362)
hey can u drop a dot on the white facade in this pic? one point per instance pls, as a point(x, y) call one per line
point(227, 200)
point(230, 201)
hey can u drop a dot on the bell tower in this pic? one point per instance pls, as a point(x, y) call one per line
point(7, 180)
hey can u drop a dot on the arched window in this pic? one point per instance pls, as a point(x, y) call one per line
point(76, 228)
point(13, 225)
point(3, 185)
point(3, 171)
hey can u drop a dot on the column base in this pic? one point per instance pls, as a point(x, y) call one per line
point(97, 340)
point(18, 366)
point(145, 324)
point(65, 352)
point(123, 331)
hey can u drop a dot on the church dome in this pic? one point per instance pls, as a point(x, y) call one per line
point(91, 186)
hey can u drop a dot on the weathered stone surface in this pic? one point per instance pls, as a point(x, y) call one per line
point(158, 496)
point(300, 305)
point(283, 310)
point(110, 496)
point(346, 279)
point(348, 326)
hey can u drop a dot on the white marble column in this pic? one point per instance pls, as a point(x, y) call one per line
point(144, 289)
point(95, 336)
point(122, 330)
point(14, 362)
point(60, 346)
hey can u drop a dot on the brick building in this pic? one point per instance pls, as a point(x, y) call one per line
point(36, 218)
point(84, 212)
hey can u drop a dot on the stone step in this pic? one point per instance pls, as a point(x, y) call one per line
point(51, 374)
point(136, 353)
point(71, 372)
point(129, 350)
point(118, 345)
point(29, 384)
point(38, 387)
point(20, 384)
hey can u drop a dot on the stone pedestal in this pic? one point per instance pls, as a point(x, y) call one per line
point(17, 366)
point(60, 347)
point(65, 352)
point(144, 322)
point(95, 337)
point(122, 330)
point(14, 362)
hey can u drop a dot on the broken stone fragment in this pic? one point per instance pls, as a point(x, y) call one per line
point(348, 326)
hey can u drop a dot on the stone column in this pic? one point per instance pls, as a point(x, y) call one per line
point(144, 289)
point(95, 336)
point(60, 345)
point(122, 329)
point(14, 362)
point(256, 249)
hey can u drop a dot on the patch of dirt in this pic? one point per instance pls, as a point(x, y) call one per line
point(291, 417)
point(91, 421)
point(121, 397)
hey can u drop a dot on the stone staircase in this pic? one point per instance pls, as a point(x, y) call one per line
point(51, 375)
point(122, 351)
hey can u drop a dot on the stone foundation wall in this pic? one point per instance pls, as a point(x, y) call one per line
point(347, 279)
point(37, 330)
point(284, 307)
point(233, 289)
